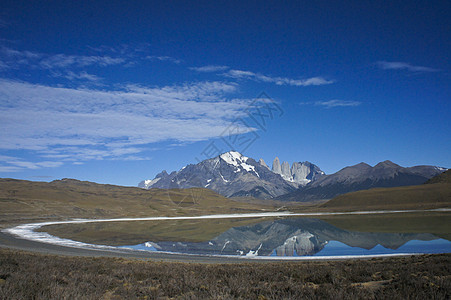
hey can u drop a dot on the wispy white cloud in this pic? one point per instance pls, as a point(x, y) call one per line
point(78, 76)
point(15, 164)
point(124, 56)
point(333, 103)
point(396, 65)
point(249, 75)
point(240, 74)
point(122, 49)
point(12, 59)
point(82, 75)
point(10, 169)
point(210, 68)
point(15, 58)
point(64, 61)
point(20, 54)
point(67, 124)
point(164, 58)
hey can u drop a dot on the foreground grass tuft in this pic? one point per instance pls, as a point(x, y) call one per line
point(36, 276)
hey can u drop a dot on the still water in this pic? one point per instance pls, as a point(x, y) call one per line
point(303, 237)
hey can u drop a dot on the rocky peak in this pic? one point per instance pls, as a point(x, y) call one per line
point(162, 174)
point(387, 164)
point(300, 173)
point(276, 168)
point(262, 163)
point(286, 173)
point(356, 169)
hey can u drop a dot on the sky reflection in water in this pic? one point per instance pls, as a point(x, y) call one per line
point(303, 237)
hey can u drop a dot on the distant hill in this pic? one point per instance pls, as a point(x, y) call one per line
point(444, 177)
point(362, 177)
point(69, 198)
point(436, 193)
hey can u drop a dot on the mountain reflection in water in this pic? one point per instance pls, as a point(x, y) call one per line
point(296, 237)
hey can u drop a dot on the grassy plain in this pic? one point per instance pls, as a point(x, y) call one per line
point(36, 276)
point(24, 201)
point(425, 196)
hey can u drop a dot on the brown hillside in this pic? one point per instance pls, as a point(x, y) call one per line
point(426, 196)
point(27, 200)
point(444, 177)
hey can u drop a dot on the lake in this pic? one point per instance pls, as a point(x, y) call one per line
point(303, 237)
point(331, 236)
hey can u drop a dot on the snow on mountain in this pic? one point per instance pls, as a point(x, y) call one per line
point(233, 175)
point(148, 183)
point(238, 160)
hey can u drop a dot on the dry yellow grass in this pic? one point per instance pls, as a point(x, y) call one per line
point(26, 200)
point(426, 196)
point(33, 276)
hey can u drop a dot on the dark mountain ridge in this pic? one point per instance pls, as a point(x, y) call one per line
point(362, 177)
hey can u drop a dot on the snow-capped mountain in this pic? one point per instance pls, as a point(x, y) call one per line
point(233, 175)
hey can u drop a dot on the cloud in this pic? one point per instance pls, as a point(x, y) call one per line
point(337, 103)
point(248, 75)
point(20, 54)
point(78, 76)
point(15, 164)
point(70, 124)
point(396, 65)
point(333, 103)
point(10, 169)
point(239, 74)
point(65, 61)
point(12, 58)
point(15, 58)
point(210, 68)
point(164, 58)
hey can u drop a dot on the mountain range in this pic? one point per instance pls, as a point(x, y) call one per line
point(362, 177)
point(232, 174)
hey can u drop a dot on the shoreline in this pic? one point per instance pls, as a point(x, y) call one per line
point(24, 237)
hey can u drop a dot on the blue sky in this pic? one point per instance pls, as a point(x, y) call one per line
point(115, 91)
